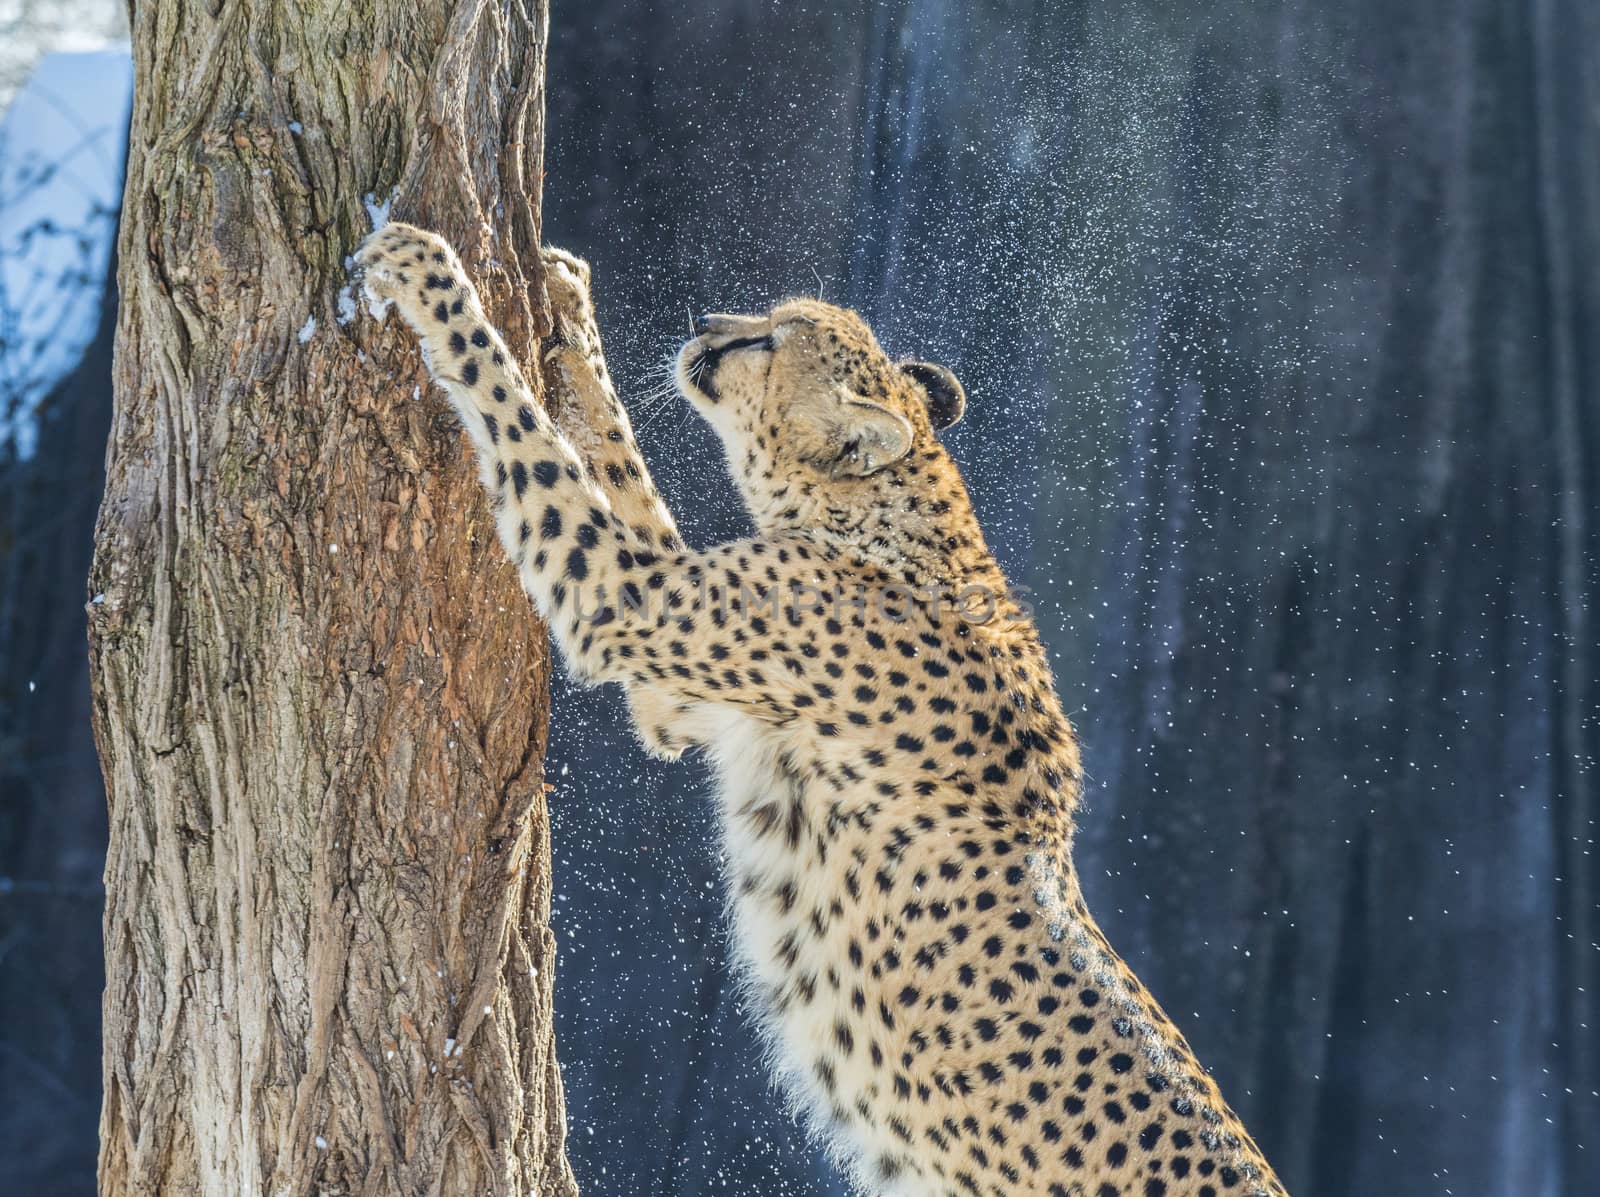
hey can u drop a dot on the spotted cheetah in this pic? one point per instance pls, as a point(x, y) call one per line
point(897, 780)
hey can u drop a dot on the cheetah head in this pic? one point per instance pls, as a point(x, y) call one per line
point(804, 393)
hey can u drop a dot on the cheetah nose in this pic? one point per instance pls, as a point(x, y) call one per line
point(702, 325)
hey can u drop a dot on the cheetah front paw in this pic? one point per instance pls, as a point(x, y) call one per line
point(411, 268)
point(566, 281)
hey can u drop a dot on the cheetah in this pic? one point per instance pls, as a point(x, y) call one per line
point(897, 781)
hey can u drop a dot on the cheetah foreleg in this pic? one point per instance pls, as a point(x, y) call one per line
point(586, 409)
point(579, 391)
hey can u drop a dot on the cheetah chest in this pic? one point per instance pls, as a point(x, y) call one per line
point(789, 923)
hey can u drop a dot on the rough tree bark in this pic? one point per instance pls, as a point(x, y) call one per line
point(320, 696)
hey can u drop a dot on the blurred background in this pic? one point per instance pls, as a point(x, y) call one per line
point(1280, 323)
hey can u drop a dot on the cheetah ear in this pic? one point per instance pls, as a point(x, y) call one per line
point(869, 437)
point(947, 400)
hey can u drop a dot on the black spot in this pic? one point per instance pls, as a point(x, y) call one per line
point(469, 373)
point(546, 473)
point(480, 338)
point(519, 477)
point(550, 526)
point(577, 565)
point(525, 417)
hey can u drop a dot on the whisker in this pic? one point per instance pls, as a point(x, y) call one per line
point(652, 416)
point(651, 400)
point(660, 384)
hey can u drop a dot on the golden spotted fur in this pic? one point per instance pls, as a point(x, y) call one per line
point(897, 780)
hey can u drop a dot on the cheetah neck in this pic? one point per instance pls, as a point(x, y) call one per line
point(914, 520)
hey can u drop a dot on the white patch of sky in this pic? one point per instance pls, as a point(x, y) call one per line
point(61, 151)
point(30, 29)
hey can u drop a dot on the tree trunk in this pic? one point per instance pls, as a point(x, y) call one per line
point(320, 695)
